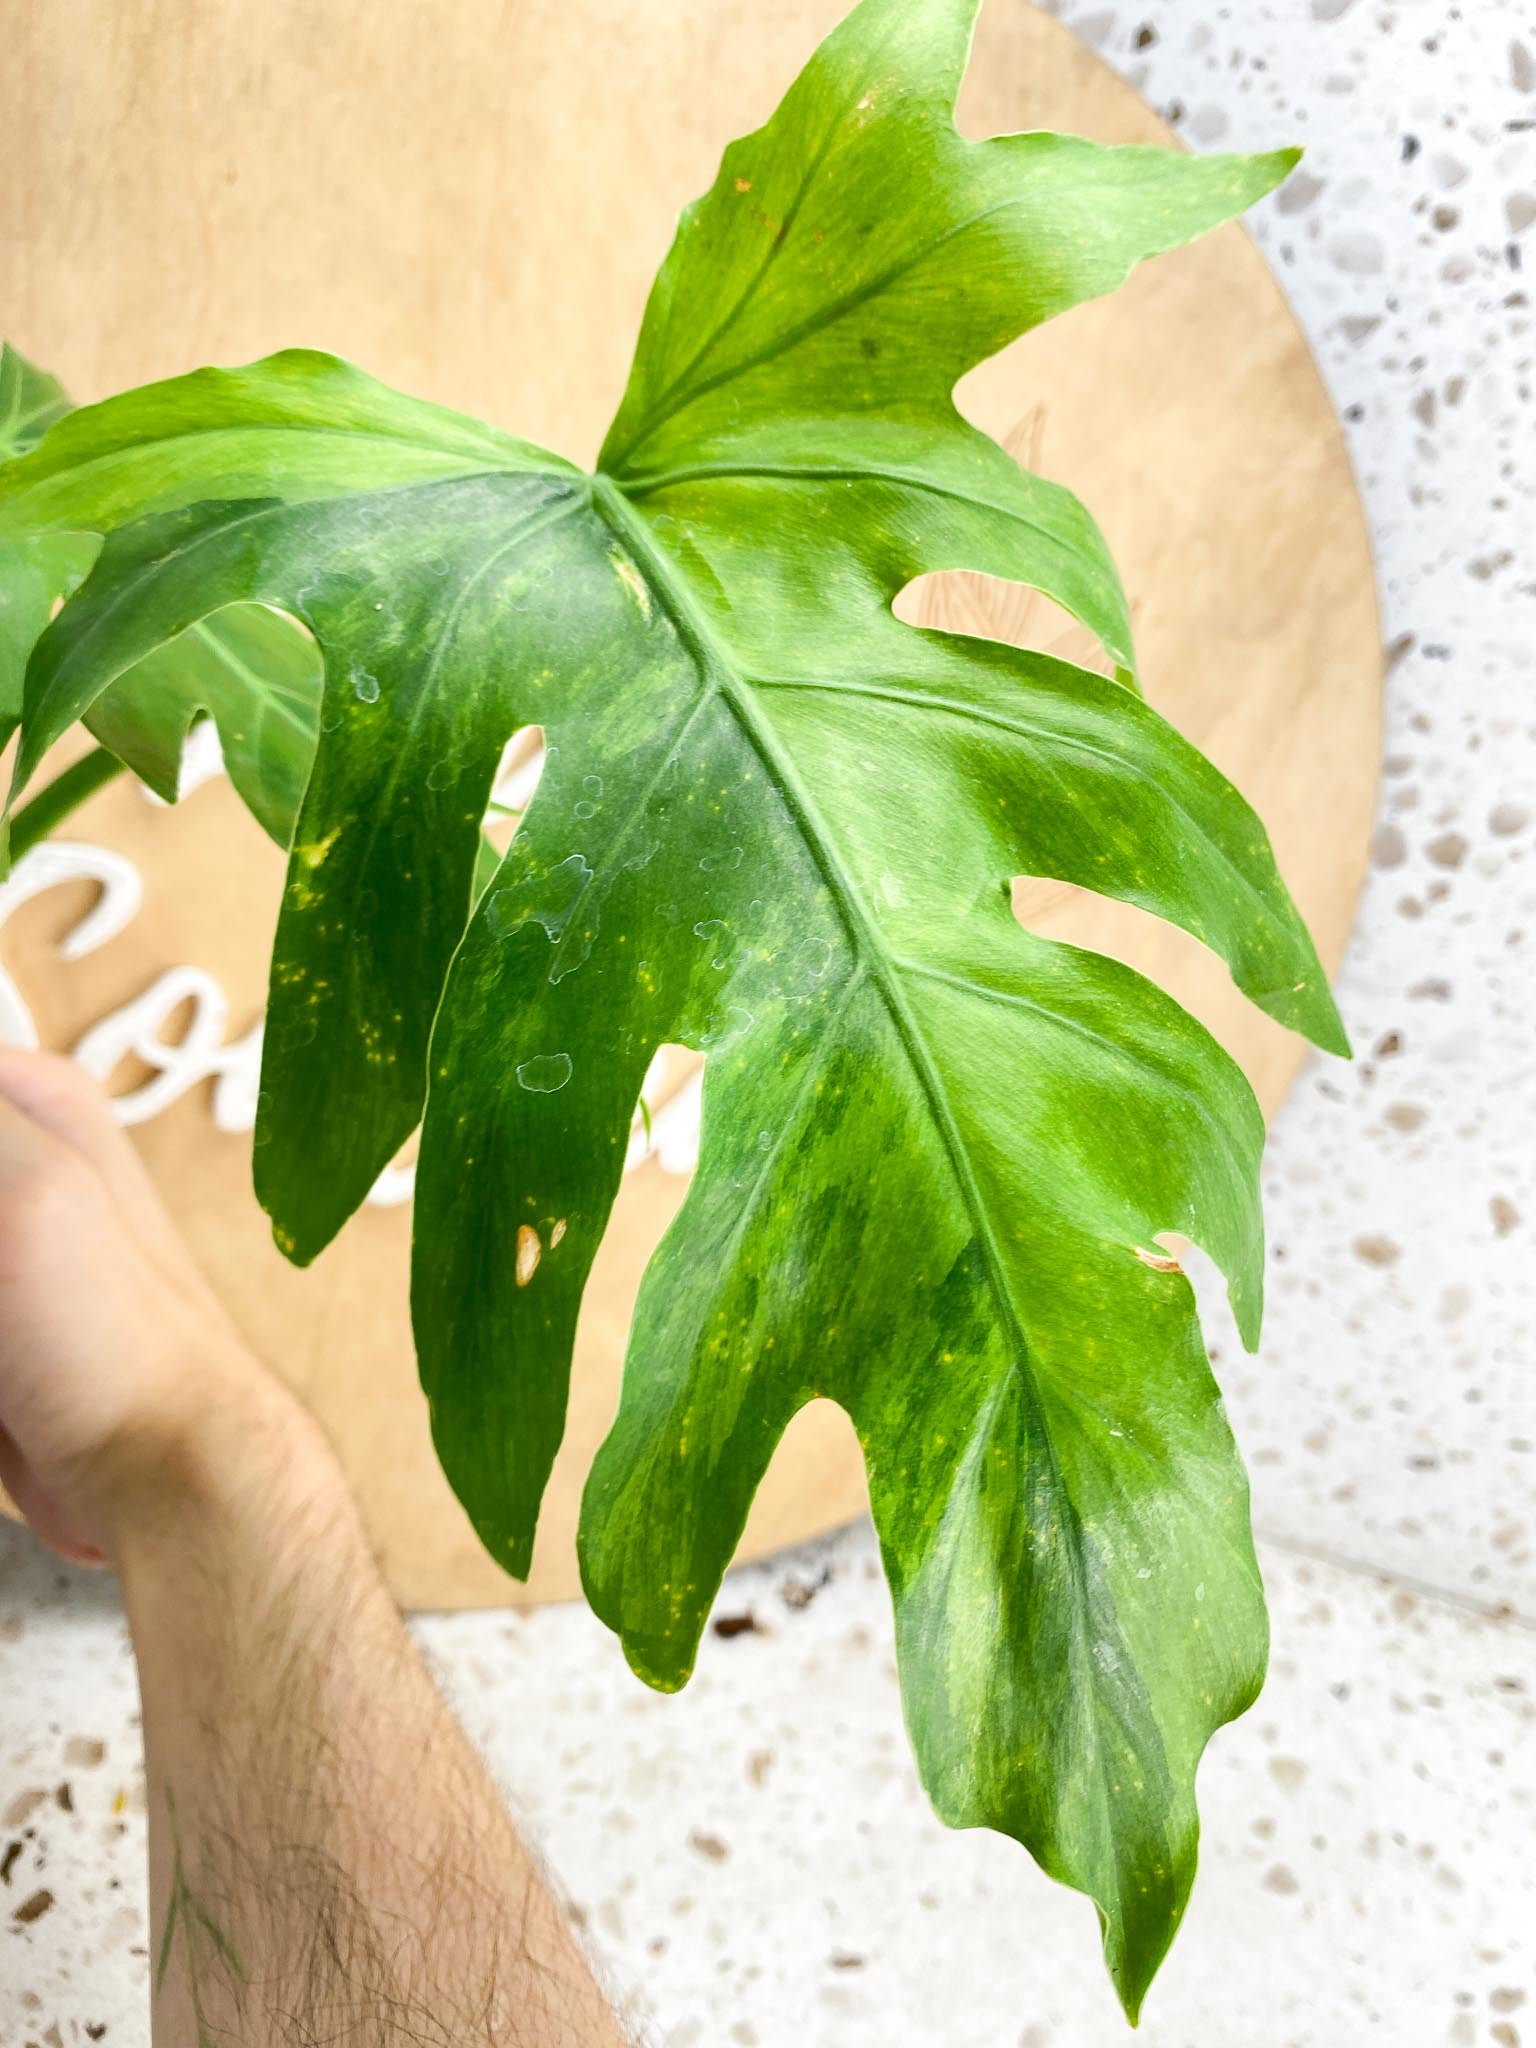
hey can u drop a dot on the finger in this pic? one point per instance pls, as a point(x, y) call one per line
point(64, 1101)
point(61, 1101)
point(23, 1142)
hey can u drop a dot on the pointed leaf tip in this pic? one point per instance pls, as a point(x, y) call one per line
point(1329, 1033)
point(1275, 166)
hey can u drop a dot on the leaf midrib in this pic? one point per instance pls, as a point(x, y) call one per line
point(658, 412)
point(815, 323)
point(716, 669)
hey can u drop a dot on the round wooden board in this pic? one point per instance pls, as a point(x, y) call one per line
point(470, 202)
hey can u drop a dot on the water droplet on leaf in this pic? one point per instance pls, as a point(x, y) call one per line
point(549, 900)
point(724, 1026)
point(545, 1073)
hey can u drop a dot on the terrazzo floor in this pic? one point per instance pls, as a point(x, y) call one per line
point(753, 1861)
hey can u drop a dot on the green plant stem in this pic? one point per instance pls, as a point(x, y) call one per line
point(55, 801)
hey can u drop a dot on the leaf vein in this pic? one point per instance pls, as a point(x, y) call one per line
point(1121, 763)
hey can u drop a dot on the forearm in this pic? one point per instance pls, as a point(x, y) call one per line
point(329, 1859)
point(329, 1862)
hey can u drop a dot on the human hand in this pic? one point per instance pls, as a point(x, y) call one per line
point(303, 1771)
point(117, 1364)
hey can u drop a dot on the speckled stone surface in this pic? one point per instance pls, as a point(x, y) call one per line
point(753, 1861)
point(1392, 1416)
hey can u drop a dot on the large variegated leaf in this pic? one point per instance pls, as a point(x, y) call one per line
point(938, 1153)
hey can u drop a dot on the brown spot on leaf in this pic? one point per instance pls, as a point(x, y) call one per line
point(33, 1908)
point(529, 1252)
point(709, 1846)
point(1158, 1261)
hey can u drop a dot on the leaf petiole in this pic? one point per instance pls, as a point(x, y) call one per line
point(54, 802)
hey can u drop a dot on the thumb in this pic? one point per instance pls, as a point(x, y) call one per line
point(63, 1105)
